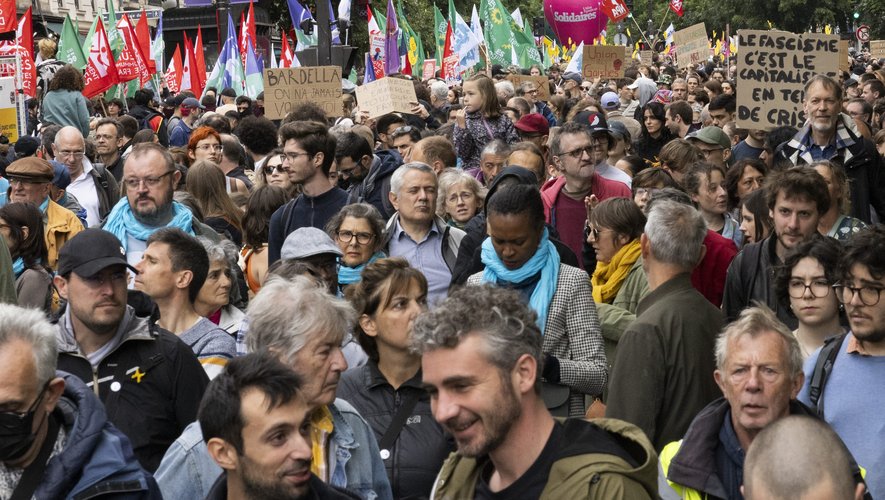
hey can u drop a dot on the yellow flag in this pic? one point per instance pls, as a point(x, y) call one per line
point(636, 51)
point(770, 26)
point(718, 48)
point(828, 29)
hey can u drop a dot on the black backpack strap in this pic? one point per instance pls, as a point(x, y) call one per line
point(822, 368)
point(397, 424)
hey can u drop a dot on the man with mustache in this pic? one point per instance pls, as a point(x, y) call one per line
point(257, 428)
point(796, 198)
point(831, 135)
point(416, 233)
point(482, 362)
point(149, 179)
point(149, 381)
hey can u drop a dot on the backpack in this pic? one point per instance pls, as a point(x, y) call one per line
point(822, 369)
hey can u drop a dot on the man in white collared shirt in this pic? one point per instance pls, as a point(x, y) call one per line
point(93, 186)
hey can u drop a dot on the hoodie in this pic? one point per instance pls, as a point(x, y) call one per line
point(376, 185)
point(97, 459)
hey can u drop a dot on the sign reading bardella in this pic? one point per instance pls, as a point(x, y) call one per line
point(285, 88)
point(772, 69)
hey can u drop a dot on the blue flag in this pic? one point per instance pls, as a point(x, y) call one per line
point(254, 71)
point(370, 70)
point(298, 13)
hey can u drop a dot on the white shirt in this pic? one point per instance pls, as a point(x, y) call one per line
point(611, 173)
point(83, 188)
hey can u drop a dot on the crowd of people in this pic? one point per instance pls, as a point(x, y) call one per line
point(614, 293)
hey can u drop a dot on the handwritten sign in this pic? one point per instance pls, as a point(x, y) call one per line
point(603, 61)
point(542, 83)
point(877, 49)
point(386, 95)
point(692, 46)
point(646, 57)
point(772, 69)
point(429, 70)
point(285, 88)
point(844, 57)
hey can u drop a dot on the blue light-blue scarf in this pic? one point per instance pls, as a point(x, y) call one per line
point(351, 275)
point(545, 260)
point(18, 266)
point(121, 222)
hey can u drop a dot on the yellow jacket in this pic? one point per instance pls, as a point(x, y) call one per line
point(60, 226)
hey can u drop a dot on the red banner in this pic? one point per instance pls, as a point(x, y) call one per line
point(616, 10)
point(101, 72)
point(25, 35)
point(676, 7)
point(173, 72)
point(7, 16)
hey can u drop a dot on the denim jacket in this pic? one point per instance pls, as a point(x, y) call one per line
point(187, 470)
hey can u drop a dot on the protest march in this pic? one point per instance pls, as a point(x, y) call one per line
point(400, 250)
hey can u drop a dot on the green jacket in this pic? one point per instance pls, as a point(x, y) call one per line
point(584, 469)
point(618, 315)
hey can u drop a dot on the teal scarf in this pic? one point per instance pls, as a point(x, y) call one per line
point(351, 275)
point(44, 205)
point(18, 266)
point(121, 222)
point(545, 260)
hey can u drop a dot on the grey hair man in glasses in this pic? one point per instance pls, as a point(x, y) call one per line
point(94, 187)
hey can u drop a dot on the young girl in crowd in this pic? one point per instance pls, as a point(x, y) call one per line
point(480, 122)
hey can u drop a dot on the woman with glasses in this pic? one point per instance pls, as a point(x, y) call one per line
point(358, 230)
point(273, 173)
point(21, 225)
point(206, 182)
point(805, 282)
point(646, 182)
point(614, 229)
point(460, 197)
point(262, 203)
point(204, 144)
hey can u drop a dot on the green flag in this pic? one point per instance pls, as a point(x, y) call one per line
point(439, 31)
point(87, 44)
point(452, 12)
point(412, 42)
point(524, 42)
point(115, 40)
point(69, 48)
point(499, 36)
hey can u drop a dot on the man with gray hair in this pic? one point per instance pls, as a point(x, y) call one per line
point(482, 362)
point(55, 437)
point(416, 233)
point(661, 375)
point(491, 161)
point(505, 90)
point(799, 457)
point(759, 369)
point(94, 187)
point(306, 335)
point(439, 93)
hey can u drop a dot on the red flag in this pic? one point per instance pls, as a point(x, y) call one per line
point(143, 32)
point(7, 16)
point(244, 37)
point(407, 70)
point(132, 63)
point(173, 72)
point(25, 35)
point(676, 7)
point(191, 76)
point(250, 24)
point(450, 58)
point(285, 53)
point(101, 72)
point(200, 59)
point(616, 10)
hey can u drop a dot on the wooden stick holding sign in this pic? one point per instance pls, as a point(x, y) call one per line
point(386, 95)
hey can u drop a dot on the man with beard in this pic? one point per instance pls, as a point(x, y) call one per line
point(829, 135)
point(257, 428)
point(482, 364)
point(149, 179)
point(796, 200)
point(854, 361)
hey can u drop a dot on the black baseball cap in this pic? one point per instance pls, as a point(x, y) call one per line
point(89, 252)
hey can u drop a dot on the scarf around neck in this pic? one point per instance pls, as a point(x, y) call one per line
point(121, 222)
point(545, 260)
point(351, 275)
point(608, 278)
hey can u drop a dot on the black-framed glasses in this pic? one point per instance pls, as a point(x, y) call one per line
point(596, 232)
point(578, 153)
point(361, 238)
point(869, 295)
point(819, 288)
point(151, 182)
point(276, 168)
point(21, 415)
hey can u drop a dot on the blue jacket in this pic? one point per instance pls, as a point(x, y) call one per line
point(97, 460)
point(546, 112)
point(187, 470)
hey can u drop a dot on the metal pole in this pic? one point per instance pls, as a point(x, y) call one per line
point(324, 34)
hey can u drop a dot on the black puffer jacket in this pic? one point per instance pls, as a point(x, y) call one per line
point(421, 447)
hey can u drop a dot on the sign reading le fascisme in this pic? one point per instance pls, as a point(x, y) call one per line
point(285, 88)
point(772, 69)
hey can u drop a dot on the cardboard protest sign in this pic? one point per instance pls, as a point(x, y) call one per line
point(285, 88)
point(844, 58)
point(386, 95)
point(429, 69)
point(877, 49)
point(692, 46)
point(772, 69)
point(541, 82)
point(603, 61)
point(646, 56)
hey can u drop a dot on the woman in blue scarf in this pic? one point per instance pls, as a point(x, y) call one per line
point(518, 254)
point(358, 230)
point(22, 226)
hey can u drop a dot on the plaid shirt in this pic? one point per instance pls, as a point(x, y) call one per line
point(806, 151)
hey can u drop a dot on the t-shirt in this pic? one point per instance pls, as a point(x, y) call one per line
point(570, 217)
point(742, 151)
point(532, 482)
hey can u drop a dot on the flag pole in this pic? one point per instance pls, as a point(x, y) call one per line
point(642, 33)
point(666, 13)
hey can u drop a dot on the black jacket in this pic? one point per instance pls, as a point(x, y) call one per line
point(421, 447)
point(374, 188)
point(151, 383)
point(751, 278)
point(318, 490)
point(144, 114)
point(303, 211)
